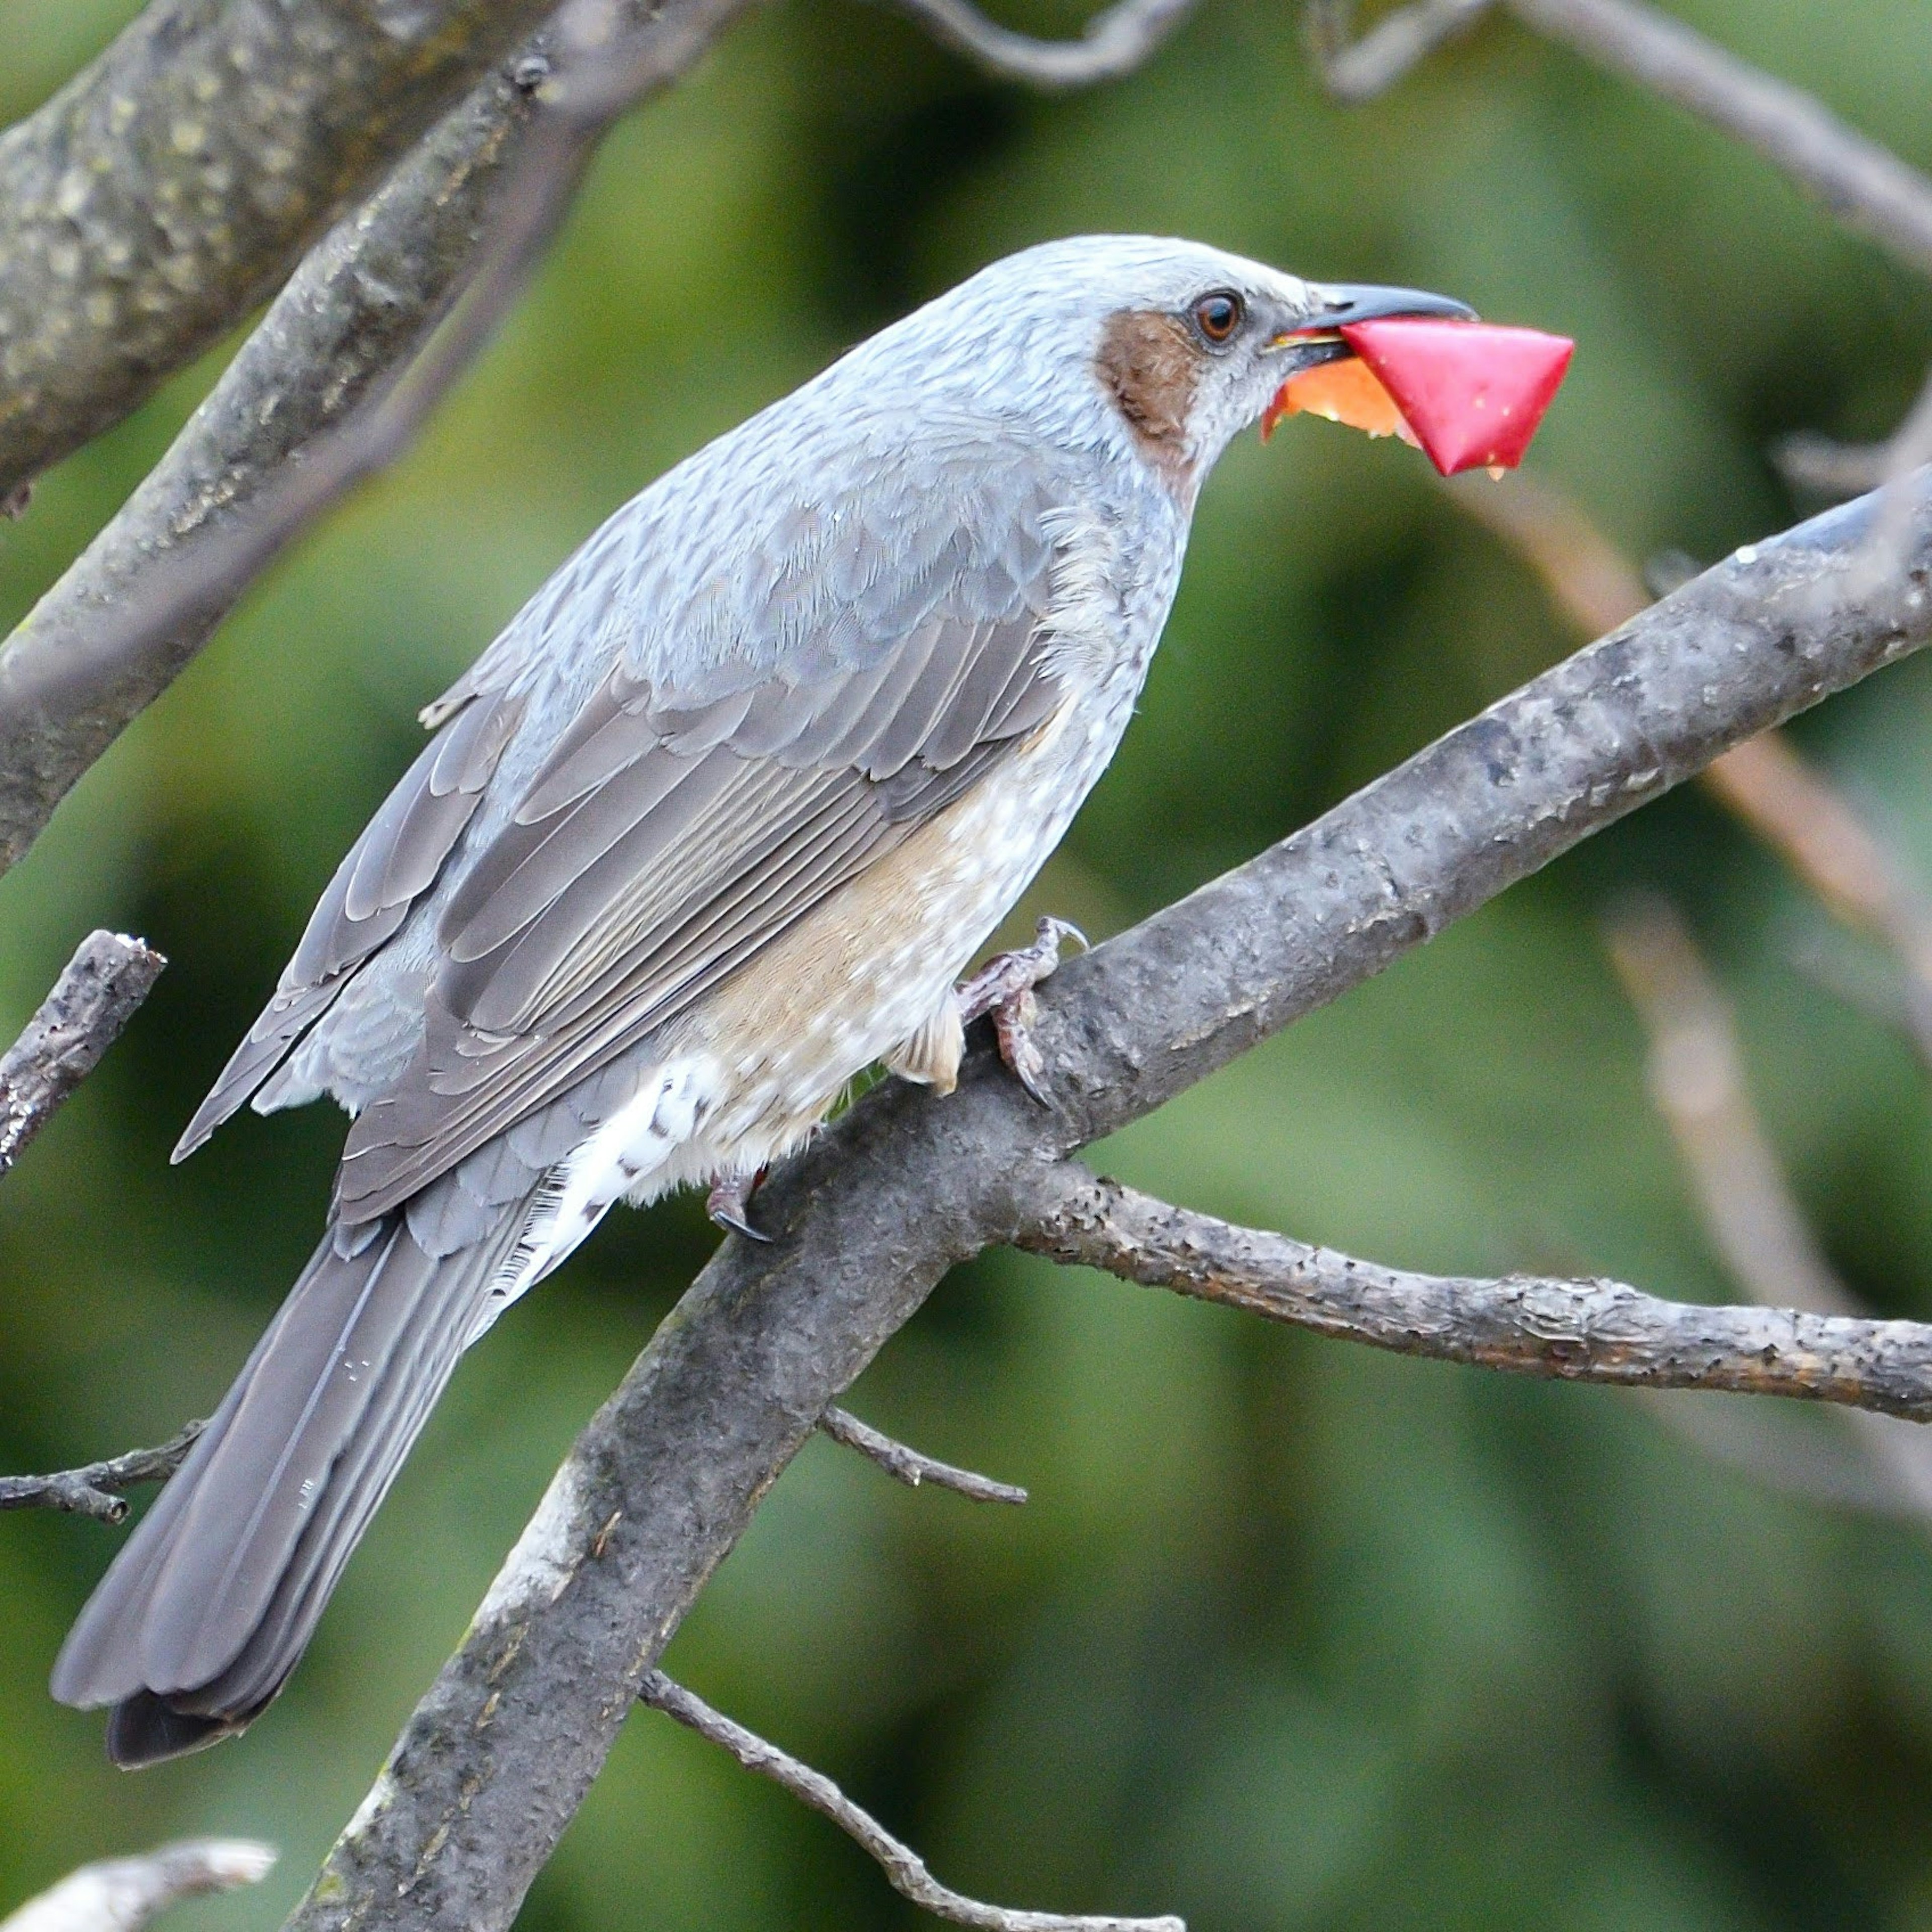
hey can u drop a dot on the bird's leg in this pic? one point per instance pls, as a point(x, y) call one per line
point(1003, 987)
point(729, 1204)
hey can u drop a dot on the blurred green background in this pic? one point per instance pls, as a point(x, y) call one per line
point(1292, 1635)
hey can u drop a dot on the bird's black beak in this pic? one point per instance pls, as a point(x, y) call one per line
point(1360, 302)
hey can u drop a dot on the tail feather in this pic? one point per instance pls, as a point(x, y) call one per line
point(214, 1598)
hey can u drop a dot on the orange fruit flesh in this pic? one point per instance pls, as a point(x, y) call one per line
point(1345, 392)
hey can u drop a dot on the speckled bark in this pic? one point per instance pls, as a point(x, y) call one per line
point(1584, 1331)
point(350, 316)
point(95, 996)
point(499, 1755)
point(167, 189)
point(348, 321)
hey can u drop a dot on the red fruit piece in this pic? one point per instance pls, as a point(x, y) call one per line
point(1473, 393)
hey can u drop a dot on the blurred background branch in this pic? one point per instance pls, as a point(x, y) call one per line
point(124, 1894)
point(1117, 40)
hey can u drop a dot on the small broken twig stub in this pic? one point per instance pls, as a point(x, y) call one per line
point(904, 1868)
point(95, 1489)
point(1594, 1331)
point(108, 976)
point(910, 1466)
point(123, 1894)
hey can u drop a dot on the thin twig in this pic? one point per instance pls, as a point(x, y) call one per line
point(123, 1894)
point(904, 1870)
point(1593, 1331)
point(1115, 41)
point(910, 1466)
point(95, 996)
point(1356, 70)
point(94, 1490)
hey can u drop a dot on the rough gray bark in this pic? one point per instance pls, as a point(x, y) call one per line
point(497, 1756)
point(1585, 1331)
point(165, 190)
point(145, 596)
point(95, 996)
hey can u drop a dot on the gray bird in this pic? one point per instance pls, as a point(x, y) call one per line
point(717, 823)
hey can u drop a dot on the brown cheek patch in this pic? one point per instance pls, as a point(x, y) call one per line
point(1150, 365)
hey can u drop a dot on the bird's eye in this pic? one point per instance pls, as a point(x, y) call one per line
point(1218, 316)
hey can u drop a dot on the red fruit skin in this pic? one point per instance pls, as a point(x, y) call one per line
point(1474, 393)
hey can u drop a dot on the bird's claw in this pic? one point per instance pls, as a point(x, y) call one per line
point(1004, 987)
point(729, 1204)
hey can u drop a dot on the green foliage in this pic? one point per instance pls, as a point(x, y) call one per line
point(1292, 1636)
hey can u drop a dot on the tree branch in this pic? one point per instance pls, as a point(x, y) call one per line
point(164, 192)
point(123, 1894)
point(95, 996)
point(662, 1482)
point(904, 1869)
point(1863, 184)
point(908, 1466)
point(1589, 1331)
point(1355, 70)
point(1115, 41)
point(94, 1490)
point(324, 393)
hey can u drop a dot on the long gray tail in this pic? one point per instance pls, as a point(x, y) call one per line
point(215, 1595)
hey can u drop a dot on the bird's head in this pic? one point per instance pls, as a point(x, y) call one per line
point(1169, 347)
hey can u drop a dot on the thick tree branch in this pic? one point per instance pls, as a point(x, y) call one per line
point(910, 1466)
point(1116, 40)
point(94, 1490)
point(903, 1866)
point(166, 190)
point(95, 996)
point(1589, 1331)
point(123, 1894)
point(496, 1758)
point(324, 393)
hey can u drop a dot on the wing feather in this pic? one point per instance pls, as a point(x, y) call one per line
point(399, 856)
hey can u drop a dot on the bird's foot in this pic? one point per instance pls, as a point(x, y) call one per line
point(729, 1204)
point(1004, 987)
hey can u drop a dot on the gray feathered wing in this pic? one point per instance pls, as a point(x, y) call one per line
point(669, 834)
point(661, 846)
